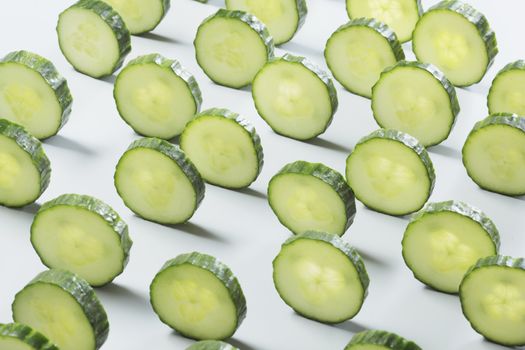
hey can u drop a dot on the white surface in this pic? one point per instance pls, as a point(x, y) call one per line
point(239, 227)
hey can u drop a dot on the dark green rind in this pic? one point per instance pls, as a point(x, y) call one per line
point(381, 338)
point(498, 261)
point(211, 345)
point(116, 24)
point(220, 271)
point(26, 335)
point(84, 295)
point(97, 207)
point(51, 76)
point(329, 176)
point(516, 65)
point(31, 146)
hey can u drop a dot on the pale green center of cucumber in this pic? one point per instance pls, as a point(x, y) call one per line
point(449, 253)
point(291, 102)
point(307, 204)
point(10, 169)
point(7, 343)
point(230, 50)
point(24, 101)
point(505, 301)
point(152, 100)
point(452, 48)
point(414, 108)
point(516, 102)
point(507, 93)
point(194, 302)
point(319, 283)
point(362, 59)
point(79, 247)
point(223, 153)
point(265, 10)
point(157, 186)
point(129, 9)
point(389, 177)
point(386, 10)
point(85, 38)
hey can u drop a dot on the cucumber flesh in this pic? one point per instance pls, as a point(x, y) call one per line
point(15, 336)
point(140, 16)
point(380, 340)
point(211, 345)
point(507, 93)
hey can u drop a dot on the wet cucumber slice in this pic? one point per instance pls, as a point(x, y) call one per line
point(15, 336)
point(507, 92)
point(380, 340)
point(211, 345)
point(141, 16)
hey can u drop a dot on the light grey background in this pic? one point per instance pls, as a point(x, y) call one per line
point(239, 227)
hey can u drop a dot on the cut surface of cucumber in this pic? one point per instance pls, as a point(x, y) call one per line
point(400, 15)
point(283, 18)
point(158, 182)
point(311, 197)
point(16, 336)
point(93, 38)
point(494, 154)
point(321, 277)
point(390, 172)
point(359, 51)
point(444, 240)
point(33, 93)
point(211, 345)
point(199, 297)
point(140, 16)
point(507, 92)
point(380, 340)
point(25, 169)
point(156, 96)
point(457, 39)
point(65, 308)
point(492, 296)
point(415, 98)
point(81, 234)
point(295, 97)
point(231, 47)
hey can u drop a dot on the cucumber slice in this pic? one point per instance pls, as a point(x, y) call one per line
point(492, 296)
point(83, 235)
point(415, 98)
point(33, 93)
point(295, 97)
point(140, 16)
point(156, 96)
point(65, 308)
point(359, 51)
point(444, 240)
point(93, 38)
point(15, 336)
point(231, 47)
point(400, 15)
point(199, 297)
point(390, 172)
point(507, 92)
point(224, 147)
point(311, 197)
point(380, 340)
point(158, 182)
point(211, 345)
point(456, 38)
point(283, 18)
point(24, 167)
point(494, 154)
point(321, 277)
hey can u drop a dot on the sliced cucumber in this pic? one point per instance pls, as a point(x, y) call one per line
point(93, 38)
point(295, 97)
point(158, 182)
point(390, 172)
point(415, 98)
point(199, 297)
point(494, 154)
point(456, 38)
point(380, 340)
point(65, 308)
point(141, 16)
point(321, 277)
point(283, 18)
point(33, 93)
point(224, 147)
point(211, 345)
point(492, 297)
point(507, 93)
point(359, 51)
point(400, 15)
point(311, 197)
point(83, 235)
point(231, 47)
point(15, 336)
point(444, 240)
point(156, 96)
point(24, 167)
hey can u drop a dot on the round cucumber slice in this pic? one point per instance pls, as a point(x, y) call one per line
point(15, 336)
point(415, 98)
point(456, 38)
point(390, 172)
point(507, 92)
point(231, 47)
point(444, 240)
point(65, 308)
point(199, 297)
point(321, 277)
point(492, 296)
point(311, 197)
point(295, 97)
point(224, 147)
point(140, 16)
point(83, 235)
point(211, 345)
point(380, 340)
point(494, 154)
point(158, 182)
point(156, 96)
point(359, 51)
